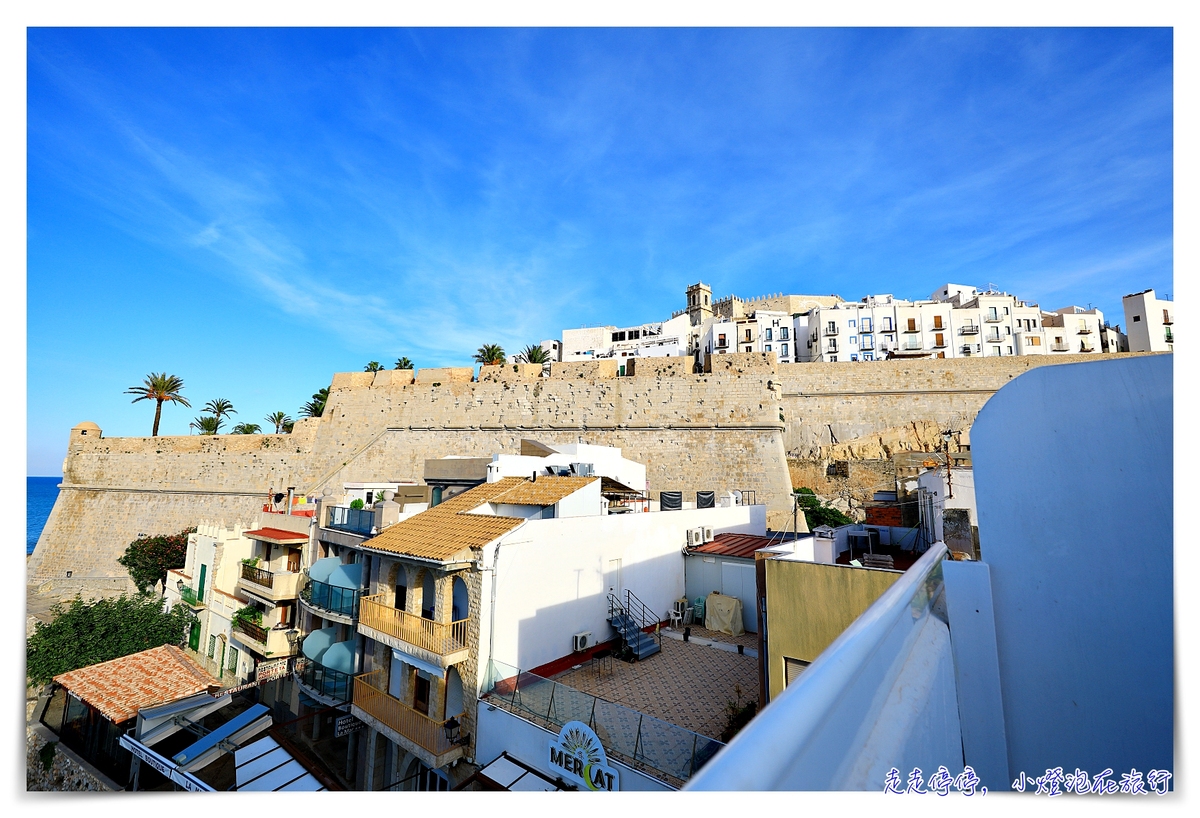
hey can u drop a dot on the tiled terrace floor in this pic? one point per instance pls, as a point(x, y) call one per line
point(686, 684)
point(749, 640)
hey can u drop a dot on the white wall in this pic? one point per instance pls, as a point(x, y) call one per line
point(501, 731)
point(582, 503)
point(1082, 568)
point(551, 575)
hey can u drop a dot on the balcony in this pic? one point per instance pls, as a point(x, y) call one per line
point(1170, 337)
point(190, 598)
point(995, 338)
point(351, 520)
point(969, 349)
point(406, 726)
point(911, 344)
point(993, 319)
point(968, 329)
point(831, 330)
point(939, 344)
point(1084, 331)
point(1168, 320)
point(265, 642)
point(331, 601)
point(1087, 348)
point(325, 682)
point(1060, 347)
point(832, 347)
point(914, 327)
point(436, 642)
point(273, 586)
point(866, 343)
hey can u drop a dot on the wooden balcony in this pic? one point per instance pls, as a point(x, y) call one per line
point(438, 642)
point(422, 735)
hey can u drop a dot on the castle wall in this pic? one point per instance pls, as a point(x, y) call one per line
point(716, 432)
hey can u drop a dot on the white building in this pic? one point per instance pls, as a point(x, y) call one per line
point(1149, 322)
point(570, 459)
point(759, 331)
point(1073, 330)
point(958, 321)
point(656, 339)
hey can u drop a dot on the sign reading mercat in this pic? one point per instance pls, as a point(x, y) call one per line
point(578, 753)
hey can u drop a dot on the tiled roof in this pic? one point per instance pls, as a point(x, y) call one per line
point(735, 545)
point(545, 492)
point(449, 528)
point(278, 535)
point(120, 687)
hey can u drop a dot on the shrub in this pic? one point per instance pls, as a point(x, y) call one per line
point(817, 513)
point(87, 633)
point(148, 559)
point(356, 503)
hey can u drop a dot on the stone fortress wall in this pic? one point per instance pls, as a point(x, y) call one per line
point(734, 428)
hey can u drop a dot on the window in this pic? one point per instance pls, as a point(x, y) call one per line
point(1008, 330)
point(866, 325)
point(1010, 350)
point(767, 347)
point(768, 337)
point(748, 334)
point(721, 340)
point(370, 497)
point(851, 323)
point(233, 658)
point(792, 668)
point(833, 359)
point(991, 314)
point(887, 324)
point(1166, 316)
point(1006, 310)
point(783, 350)
point(939, 340)
point(1034, 341)
point(854, 357)
point(783, 333)
point(854, 339)
point(831, 327)
point(635, 334)
point(867, 356)
point(212, 646)
point(996, 351)
point(1137, 318)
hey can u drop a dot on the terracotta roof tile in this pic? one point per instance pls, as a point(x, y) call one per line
point(120, 687)
point(277, 535)
point(735, 545)
point(449, 528)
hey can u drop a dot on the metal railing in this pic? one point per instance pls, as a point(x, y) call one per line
point(353, 520)
point(189, 596)
point(816, 734)
point(342, 601)
point(831, 330)
point(913, 327)
point(258, 576)
point(643, 742)
point(1084, 331)
point(255, 632)
point(993, 319)
point(1170, 338)
point(636, 610)
point(438, 637)
point(1061, 347)
point(968, 329)
point(371, 696)
point(324, 680)
point(867, 342)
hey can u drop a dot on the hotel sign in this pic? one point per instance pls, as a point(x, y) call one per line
point(577, 752)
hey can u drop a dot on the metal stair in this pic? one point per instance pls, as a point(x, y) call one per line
point(629, 617)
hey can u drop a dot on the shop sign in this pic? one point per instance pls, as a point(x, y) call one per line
point(345, 725)
point(577, 752)
point(269, 671)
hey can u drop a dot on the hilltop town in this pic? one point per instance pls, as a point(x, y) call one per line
point(448, 569)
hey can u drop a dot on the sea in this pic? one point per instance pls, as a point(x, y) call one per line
point(40, 494)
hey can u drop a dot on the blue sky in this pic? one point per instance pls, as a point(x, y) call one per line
point(254, 210)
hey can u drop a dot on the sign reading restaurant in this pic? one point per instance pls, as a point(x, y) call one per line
point(578, 753)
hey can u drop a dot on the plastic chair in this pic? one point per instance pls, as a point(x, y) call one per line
point(677, 611)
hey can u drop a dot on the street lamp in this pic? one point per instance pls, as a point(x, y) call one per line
point(452, 728)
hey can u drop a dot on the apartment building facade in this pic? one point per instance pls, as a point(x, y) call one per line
point(1149, 322)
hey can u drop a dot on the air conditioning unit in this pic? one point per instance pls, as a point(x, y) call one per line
point(695, 536)
point(581, 641)
point(708, 533)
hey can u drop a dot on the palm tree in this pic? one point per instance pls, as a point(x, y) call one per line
point(219, 408)
point(404, 363)
point(490, 355)
point(206, 424)
point(315, 407)
point(159, 387)
point(533, 354)
point(278, 420)
point(247, 429)
point(372, 366)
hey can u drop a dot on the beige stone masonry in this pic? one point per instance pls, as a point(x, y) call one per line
point(392, 377)
point(351, 380)
point(510, 372)
point(674, 366)
point(574, 370)
point(446, 374)
point(739, 363)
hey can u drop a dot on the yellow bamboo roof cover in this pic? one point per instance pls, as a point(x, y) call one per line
point(449, 528)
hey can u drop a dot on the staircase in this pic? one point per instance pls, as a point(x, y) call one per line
point(629, 616)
